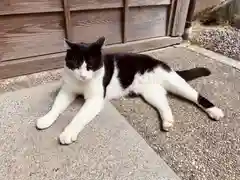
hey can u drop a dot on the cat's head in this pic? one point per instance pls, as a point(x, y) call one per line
point(84, 59)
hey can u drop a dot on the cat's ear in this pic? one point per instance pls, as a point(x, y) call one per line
point(70, 44)
point(100, 41)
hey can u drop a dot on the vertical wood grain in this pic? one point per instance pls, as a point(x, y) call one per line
point(125, 20)
point(180, 17)
point(67, 18)
point(171, 17)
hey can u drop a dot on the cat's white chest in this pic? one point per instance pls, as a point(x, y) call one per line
point(93, 89)
point(73, 84)
point(88, 89)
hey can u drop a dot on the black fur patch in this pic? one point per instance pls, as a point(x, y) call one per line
point(130, 64)
point(194, 73)
point(109, 70)
point(204, 102)
point(90, 53)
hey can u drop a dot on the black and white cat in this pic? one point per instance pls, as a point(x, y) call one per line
point(99, 77)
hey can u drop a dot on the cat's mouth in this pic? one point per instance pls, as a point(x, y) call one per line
point(82, 78)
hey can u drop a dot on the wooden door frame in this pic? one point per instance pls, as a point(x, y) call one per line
point(178, 17)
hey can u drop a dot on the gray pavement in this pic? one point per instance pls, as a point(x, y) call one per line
point(197, 148)
point(107, 149)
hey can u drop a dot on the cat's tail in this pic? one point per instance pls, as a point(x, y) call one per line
point(194, 73)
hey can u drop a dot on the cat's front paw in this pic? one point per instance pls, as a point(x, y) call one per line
point(45, 122)
point(215, 113)
point(68, 136)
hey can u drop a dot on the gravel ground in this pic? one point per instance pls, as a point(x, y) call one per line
point(197, 148)
point(224, 40)
point(30, 80)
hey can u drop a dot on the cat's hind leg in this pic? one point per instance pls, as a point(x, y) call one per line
point(62, 101)
point(176, 85)
point(155, 95)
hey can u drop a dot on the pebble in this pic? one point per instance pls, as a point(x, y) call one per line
point(224, 40)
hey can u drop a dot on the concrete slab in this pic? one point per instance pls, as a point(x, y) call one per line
point(216, 56)
point(108, 148)
point(197, 148)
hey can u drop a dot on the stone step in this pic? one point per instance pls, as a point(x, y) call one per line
point(108, 148)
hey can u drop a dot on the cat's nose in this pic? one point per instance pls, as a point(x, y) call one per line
point(83, 76)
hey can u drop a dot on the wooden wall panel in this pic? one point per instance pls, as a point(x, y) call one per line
point(148, 2)
point(147, 22)
point(32, 32)
point(29, 6)
point(31, 35)
point(94, 4)
point(88, 25)
point(107, 4)
point(41, 63)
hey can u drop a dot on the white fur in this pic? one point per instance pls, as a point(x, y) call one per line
point(215, 113)
point(88, 111)
point(82, 73)
point(72, 86)
point(64, 98)
point(153, 86)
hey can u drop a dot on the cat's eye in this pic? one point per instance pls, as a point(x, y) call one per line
point(89, 67)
